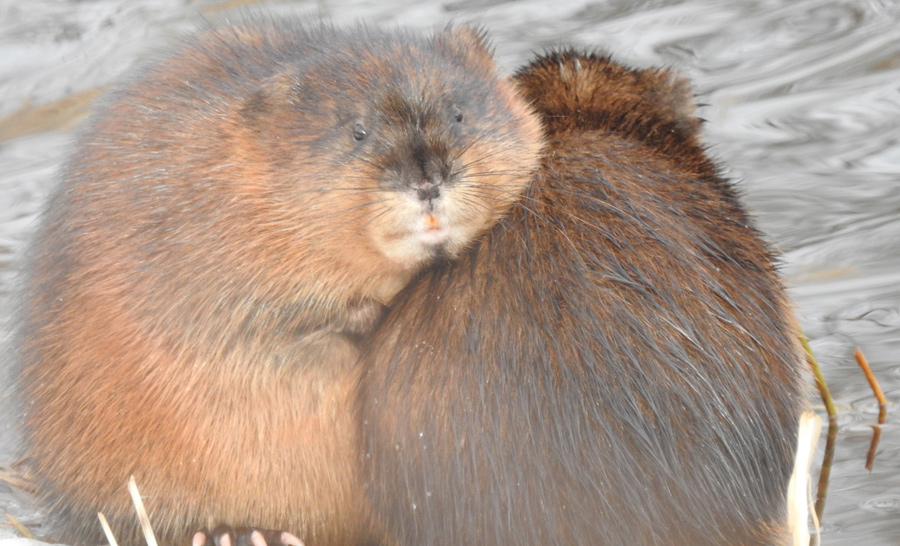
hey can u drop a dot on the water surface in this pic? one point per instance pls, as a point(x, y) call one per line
point(803, 109)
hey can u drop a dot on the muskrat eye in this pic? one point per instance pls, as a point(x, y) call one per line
point(457, 114)
point(359, 132)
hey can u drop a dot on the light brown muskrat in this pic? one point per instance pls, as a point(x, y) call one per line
point(615, 363)
point(232, 220)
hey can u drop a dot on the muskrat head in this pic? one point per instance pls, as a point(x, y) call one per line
point(573, 89)
point(416, 143)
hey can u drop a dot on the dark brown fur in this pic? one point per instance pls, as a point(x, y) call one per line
point(231, 221)
point(613, 364)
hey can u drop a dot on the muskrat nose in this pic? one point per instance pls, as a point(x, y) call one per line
point(427, 190)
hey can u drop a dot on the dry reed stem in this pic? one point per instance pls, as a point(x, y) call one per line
point(19, 527)
point(820, 379)
point(799, 495)
point(876, 388)
point(106, 530)
point(149, 537)
point(16, 480)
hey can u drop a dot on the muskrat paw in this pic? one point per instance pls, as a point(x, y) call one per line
point(244, 536)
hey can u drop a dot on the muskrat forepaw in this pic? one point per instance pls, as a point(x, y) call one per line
point(244, 536)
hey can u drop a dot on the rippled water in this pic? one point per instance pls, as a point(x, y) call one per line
point(803, 104)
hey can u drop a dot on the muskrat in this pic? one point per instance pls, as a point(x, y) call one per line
point(233, 219)
point(614, 363)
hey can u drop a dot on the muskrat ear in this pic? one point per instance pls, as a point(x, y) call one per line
point(468, 42)
point(276, 91)
point(672, 92)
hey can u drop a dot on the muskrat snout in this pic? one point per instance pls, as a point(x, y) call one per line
point(425, 170)
point(427, 190)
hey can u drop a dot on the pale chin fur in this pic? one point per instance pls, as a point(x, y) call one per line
point(442, 229)
point(415, 247)
point(420, 244)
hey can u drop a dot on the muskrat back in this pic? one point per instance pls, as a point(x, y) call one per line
point(615, 363)
point(233, 219)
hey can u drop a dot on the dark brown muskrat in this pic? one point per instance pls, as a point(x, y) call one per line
point(231, 221)
point(613, 364)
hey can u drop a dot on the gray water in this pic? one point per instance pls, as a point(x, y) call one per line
point(803, 109)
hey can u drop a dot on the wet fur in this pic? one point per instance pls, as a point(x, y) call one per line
point(613, 364)
point(218, 243)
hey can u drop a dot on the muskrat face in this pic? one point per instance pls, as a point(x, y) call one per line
point(416, 144)
point(442, 172)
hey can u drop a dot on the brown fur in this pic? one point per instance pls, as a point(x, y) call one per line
point(220, 239)
point(613, 364)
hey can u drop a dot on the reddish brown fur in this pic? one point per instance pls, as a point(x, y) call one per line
point(216, 237)
point(613, 364)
